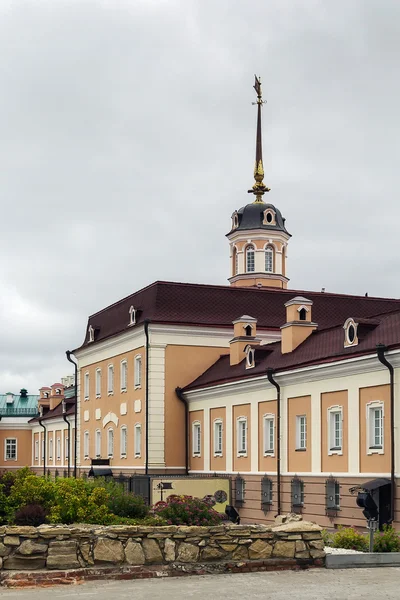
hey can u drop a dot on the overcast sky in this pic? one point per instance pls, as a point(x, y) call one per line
point(127, 141)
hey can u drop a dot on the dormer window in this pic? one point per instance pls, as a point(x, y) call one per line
point(250, 358)
point(58, 392)
point(235, 221)
point(248, 330)
point(350, 333)
point(132, 316)
point(91, 334)
point(45, 394)
point(269, 217)
point(302, 314)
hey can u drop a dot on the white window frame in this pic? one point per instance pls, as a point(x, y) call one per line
point(15, 441)
point(371, 407)
point(86, 444)
point(36, 449)
point(110, 380)
point(86, 385)
point(91, 334)
point(250, 358)
point(300, 443)
point(268, 448)
point(242, 442)
point(97, 440)
point(138, 440)
point(124, 441)
point(269, 256)
point(250, 248)
point(335, 412)
point(42, 448)
point(51, 448)
point(196, 438)
point(124, 380)
point(138, 371)
point(98, 383)
point(66, 448)
point(132, 316)
point(218, 437)
point(110, 442)
point(58, 448)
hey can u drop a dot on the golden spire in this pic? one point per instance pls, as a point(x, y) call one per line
point(259, 188)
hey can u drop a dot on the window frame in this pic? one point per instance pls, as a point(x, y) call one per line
point(86, 385)
point(196, 439)
point(138, 445)
point(124, 369)
point(242, 442)
point(138, 371)
point(66, 448)
point(218, 439)
point(110, 380)
point(98, 383)
point(332, 413)
point(58, 448)
point(110, 442)
point(268, 418)
point(50, 442)
point(270, 253)
point(36, 450)
point(10, 439)
point(250, 248)
point(371, 407)
point(124, 441)
point(86, 441)
point(299, 446)
point(332, 489)
point(97, 442)
point(250, 357)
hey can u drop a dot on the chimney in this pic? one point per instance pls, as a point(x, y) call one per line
point(56, 395)
point(244, 333)
point(298, 324)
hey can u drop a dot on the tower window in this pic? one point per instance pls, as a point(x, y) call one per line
point(235, 261)
point(269, 259)
point(250, 259)
point(302, 314)
point(248, 330)
point(269, 217)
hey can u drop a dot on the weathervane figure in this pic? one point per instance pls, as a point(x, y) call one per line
point(259, 188)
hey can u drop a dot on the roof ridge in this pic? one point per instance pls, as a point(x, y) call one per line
point(146, 287)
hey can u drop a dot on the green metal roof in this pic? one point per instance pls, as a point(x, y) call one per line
point(20, 407)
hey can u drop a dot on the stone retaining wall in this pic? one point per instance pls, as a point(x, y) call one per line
point(227, 547)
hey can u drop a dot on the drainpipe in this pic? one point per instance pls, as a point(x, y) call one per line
point(68, 353)
point(146, 333)
point(44, 447)
point(278, 434)
point(64, 410)
point(381, 349)
point(180, 395)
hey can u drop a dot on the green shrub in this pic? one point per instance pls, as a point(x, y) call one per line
point(31, 514)
point(128, 505)
point(150, 521)
point(31, 489)
point(186, 510)
point(347, 537)
point(77, 502)
point(327, 537)
point(387, 540)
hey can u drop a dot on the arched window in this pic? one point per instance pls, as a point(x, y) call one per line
point(269, 259)
point(302, 314)
point(250, 259)
point(235, 261)
point(248, 330)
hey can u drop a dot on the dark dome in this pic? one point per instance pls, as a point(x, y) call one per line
point(251, 216)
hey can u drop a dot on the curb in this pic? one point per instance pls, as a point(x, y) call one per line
point(364, 560)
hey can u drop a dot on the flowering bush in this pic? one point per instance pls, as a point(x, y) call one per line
point(348, 537)
point(387, 540)
point(186, 510)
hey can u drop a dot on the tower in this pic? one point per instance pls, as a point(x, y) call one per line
point(258, 237)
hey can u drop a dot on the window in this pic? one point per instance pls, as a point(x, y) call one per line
point(350, 333)
point(332, 488)
point(51, 449)
point(303, 314)
point(235, 221)
point(335, 432)
point(138, 371)
point(266, 493)
point(11, 449)
point(250, 363)
point(66, 448)
point(375, 433)
point(196, 438)
point(218, 438)
point(269, 434)
point(110, 379)
point(138, 440)
point(123, 441)
point(37, 450)
point(250, 259)
point(242, 436)
point(240, 491)
point(297, 492)
point(98, 443)
point(110, 443)
point(248, 330)
point(132, 316)
point(86, 386)
point(42, 457)
point(235, 261)
point(269, 217)
point(91, 334)
point(269, 259)
point(58, 448)
point(86, 444)
point(124, 375)
point(98, 383)
point(301, 432)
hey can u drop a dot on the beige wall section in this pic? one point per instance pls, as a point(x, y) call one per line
point(120, 406)
point(266, 464)
point(375, 463)
point(218, 463)
point(24, 448)
point(241, 463)
point(264, 281)
point(299, 461)
point(182, 365)
point(196, 463)
point(335, 463)
point(294, 335)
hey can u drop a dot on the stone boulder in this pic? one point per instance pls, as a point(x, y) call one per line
point(289, 518)
point(134, 553)
point(109, 551)
point(152, 551)
point(63, 555)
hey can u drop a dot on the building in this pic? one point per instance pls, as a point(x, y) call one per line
point(180, 378)
point(16, 410)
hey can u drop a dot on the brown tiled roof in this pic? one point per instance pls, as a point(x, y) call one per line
point(218, 306)
point(57, 411)
point(320, 347)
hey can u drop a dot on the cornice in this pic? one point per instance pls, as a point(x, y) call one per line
point(258, 275)
point(129, 334)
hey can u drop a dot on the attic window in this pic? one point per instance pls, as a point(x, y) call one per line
point(45, 394)
point(269, 217)
point(132, 316)
point(91, 334)
point(250, 362)
point(248, 330)
point(58, 391)
point(302, 314)
point(350, 333)
point(235, 221)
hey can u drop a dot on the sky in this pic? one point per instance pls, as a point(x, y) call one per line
point(127, 140)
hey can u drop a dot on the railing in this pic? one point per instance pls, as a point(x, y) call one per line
point(10, 411)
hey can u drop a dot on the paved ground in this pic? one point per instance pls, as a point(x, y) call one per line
point(317, 584)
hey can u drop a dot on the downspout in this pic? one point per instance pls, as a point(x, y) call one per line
point(69, 434)
point(146, 333)
point(381, 349)
point(44, 447)
point(278, 434)
point(180, 395)
point(68, 353)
